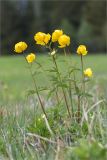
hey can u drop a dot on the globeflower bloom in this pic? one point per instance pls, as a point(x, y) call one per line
point(20, 47)
point(81, 50)
point(30, 58)
point(56, 34)
point(88, 72)
point(42, 38)
point(64, 41)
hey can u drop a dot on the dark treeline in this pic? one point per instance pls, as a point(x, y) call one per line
point(83, 20)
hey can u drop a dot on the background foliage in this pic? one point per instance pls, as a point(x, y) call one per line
point(84, 21)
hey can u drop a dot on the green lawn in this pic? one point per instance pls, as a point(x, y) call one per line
point(15, 78)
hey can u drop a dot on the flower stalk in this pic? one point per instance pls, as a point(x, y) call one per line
point(65, 98)
point(36, 88)
point(69, 89)
point(78, 97)
point(70, 95)
point(83, 82)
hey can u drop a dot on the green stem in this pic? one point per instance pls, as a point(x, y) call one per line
point(36, 88)
point(62, 87)
point(82, 66)
point(78, 96)
point(78, 110)
point(65, 52)
point(83, 82)
point(70, 92)
point(42, 107)
point(57, 97)
point(70, 95)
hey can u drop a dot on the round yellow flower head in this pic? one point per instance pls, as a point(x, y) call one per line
point(64, 41)
point(47, 38)
point(30, 58)
point(82, 50)
point(88, 72)
point(56, 34)
point(42, 38)
point(20, 47)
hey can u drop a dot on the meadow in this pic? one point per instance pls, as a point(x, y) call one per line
point(16, 78)
point(23, 134)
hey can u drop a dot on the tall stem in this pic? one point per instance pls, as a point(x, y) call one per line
point(65, 52)
point(83, 83)
point(56, 91)
point(57, 97)
point(62, 87)
point(42, 107)
point(70, 92)
point(36, 88)
point(70, 95)
point(79, 109)
point(78, 96)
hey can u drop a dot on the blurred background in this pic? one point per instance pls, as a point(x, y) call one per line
point(84, 20)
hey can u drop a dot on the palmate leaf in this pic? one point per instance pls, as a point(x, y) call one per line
point(62, 85)
point(52, 70)
point(51, 92)
point(67, 79)
point(39, 65)
point(42, 89)
point(56, 82)
point(74, 69)
point(30, 92)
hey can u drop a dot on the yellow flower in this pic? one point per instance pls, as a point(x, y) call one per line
point(88, 72)
point(56, 34)
point(30, 58)
point(64, 41)
point(82, 50)
point(42, 38)
point(47, 38)
point(20, 47)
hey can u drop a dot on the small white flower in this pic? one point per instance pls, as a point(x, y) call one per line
point(53, 53)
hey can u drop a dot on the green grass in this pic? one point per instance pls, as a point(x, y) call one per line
point(23, 130)
point(15, 75)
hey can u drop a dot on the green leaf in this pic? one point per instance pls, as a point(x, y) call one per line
point(36, 73)
point(87, 95)
point(74, 69)
point(30, 92)
point(62, 85)
point(52, 70)
point(50, 93)
point(42, 89)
